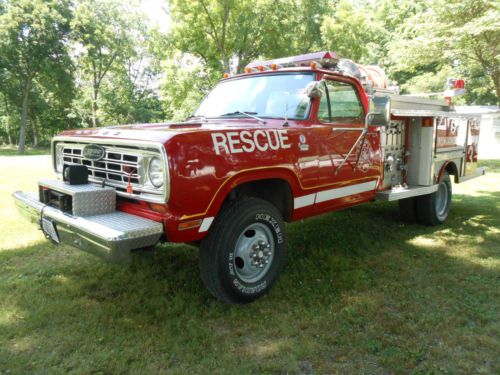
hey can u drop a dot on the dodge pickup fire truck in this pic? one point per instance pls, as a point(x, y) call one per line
point(285, 140)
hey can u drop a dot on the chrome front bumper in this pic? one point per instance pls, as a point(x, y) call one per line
point(112, 235)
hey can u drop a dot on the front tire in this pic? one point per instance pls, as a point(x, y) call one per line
point(244, 252)
point(433, 209)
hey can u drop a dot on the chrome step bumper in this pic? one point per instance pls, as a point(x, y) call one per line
point(111, 235)
point(405, 192)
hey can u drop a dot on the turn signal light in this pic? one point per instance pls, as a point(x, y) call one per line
point(158, 207)
point(427, 122)
point(226, 75)
point(248, 70)
point(190, 224)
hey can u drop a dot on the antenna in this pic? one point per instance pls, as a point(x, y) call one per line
point(286, 103)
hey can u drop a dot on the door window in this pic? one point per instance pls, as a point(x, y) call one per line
point(341, 104)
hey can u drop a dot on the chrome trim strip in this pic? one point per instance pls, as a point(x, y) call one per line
point(327, 195)
point(139, 145)
point(304, 201)
point(205, 224)
point(430, 113)
point(323, 196)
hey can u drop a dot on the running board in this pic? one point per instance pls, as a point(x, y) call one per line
point(400, 192)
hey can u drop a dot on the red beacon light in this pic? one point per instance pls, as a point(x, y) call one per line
point(459, 84)
point(456, 87)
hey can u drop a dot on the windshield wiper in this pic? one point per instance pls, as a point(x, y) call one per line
point(246, 113)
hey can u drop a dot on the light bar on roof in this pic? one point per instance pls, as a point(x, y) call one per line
point(323, 59)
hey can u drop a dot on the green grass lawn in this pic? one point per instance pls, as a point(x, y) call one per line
point(13, 151)
point(362, 293)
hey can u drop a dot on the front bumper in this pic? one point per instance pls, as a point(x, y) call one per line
point(111, 235)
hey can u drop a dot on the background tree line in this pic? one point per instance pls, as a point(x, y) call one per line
point(82, 63)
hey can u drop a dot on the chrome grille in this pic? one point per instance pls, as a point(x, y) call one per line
point(120, 164)
point(117, 166)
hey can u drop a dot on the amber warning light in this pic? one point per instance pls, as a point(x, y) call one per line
point(318, 59)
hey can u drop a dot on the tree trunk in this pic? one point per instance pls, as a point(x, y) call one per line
point(496, 82)
point(9, 128)
point(36, 132)
point(9, 135)
point(24, 114)
point(94, 106)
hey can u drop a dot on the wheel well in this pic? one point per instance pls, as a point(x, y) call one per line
point(275, 191)
point(452, 169)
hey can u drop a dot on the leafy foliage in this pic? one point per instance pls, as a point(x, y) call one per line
point(456, 34)
point(33, 50)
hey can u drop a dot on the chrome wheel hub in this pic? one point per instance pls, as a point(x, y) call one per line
point(254, 253)
point(442, 199)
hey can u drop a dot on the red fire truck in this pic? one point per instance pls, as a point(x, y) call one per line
point(285, 140)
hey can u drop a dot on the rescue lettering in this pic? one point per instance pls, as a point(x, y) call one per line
point(246, 141)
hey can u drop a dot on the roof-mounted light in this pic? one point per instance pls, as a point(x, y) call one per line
point(321, 59)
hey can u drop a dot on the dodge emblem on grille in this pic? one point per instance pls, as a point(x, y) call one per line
point(93, 152)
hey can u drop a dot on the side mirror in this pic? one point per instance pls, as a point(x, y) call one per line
point(314, 89)
point(380, 111)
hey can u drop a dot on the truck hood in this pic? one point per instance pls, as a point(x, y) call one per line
point(161, 132)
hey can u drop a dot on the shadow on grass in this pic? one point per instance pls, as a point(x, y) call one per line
point(362, 292)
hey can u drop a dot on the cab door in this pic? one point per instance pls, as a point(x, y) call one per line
point(349, 158)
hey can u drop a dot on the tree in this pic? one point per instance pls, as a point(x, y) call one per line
point(224, 32)
point(33, 36)
point(463, 35)
point(102, 32)
point(348, 32)
point(186, 81)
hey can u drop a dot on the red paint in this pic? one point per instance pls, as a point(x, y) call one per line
point(200, 180)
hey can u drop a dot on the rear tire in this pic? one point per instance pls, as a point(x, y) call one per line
point(407, 209)
point(433, 209)
point(244, 252)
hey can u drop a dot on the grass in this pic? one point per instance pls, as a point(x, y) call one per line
point(362, 293)
point(13, 151)
point(491, 165)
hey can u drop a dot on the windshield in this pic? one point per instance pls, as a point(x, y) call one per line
point(271, 96)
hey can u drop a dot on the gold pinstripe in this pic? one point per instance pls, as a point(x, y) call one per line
point(340, 184)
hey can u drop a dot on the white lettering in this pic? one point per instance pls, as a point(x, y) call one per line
point(283, 139)
point(233, 142)
point(272, 146)
point(219, 143)
point(256, 140)
point(246, 139)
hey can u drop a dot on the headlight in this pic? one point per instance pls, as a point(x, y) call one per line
point(155, 172)
point(59, 158)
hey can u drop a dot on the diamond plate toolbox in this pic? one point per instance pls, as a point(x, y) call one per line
point(88, 199)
